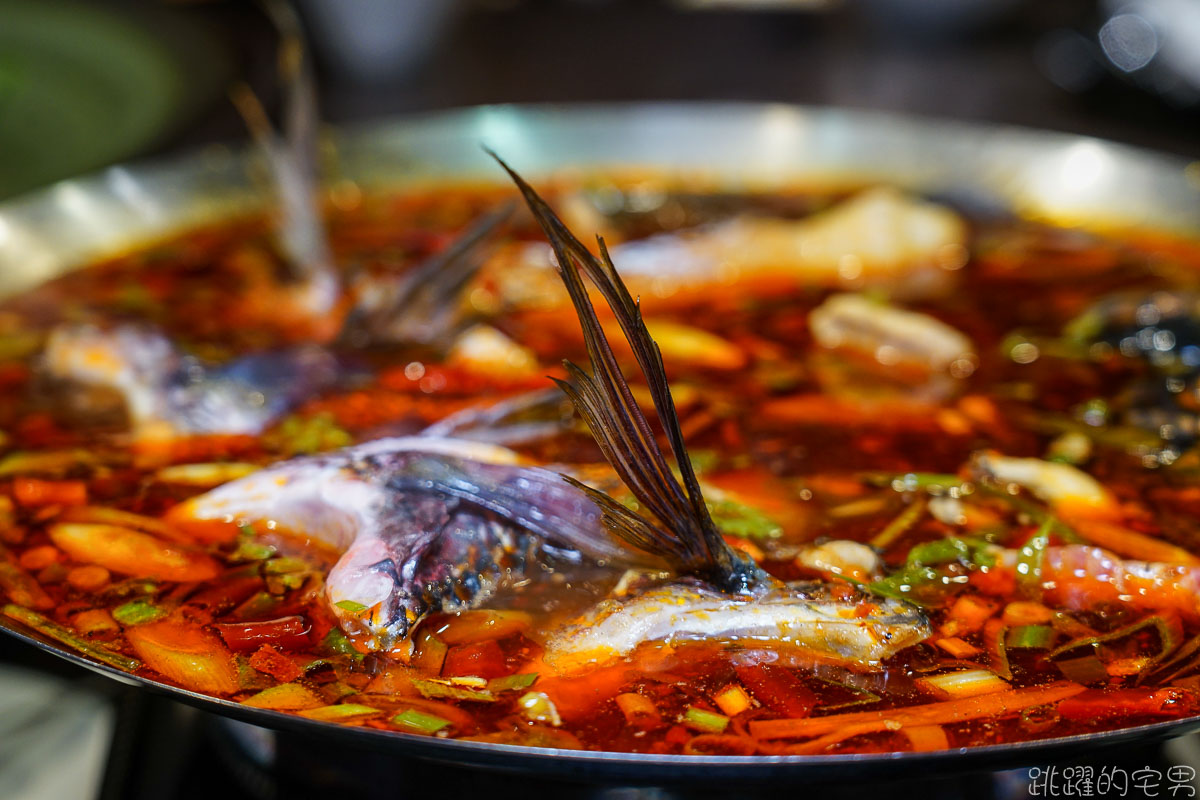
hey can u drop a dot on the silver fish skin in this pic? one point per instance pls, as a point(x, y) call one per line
point(803, 616)
point(169, 394)
point(423, 524)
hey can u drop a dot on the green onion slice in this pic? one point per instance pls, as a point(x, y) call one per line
point(419, 722)
point(706, 721)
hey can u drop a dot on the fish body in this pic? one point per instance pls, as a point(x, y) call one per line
point(423, 524)
point(860, 632)
point(169, 394)
point(432, 523)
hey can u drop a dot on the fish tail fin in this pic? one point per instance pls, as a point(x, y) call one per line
point(684, 535)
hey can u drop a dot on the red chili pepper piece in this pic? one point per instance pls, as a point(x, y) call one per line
point(483, 659)
point(32, 492)
point(777, 689)
point(290, 633)
point(274, 663)
point(1107, 703)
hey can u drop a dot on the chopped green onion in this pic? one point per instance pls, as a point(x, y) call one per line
point(1168, 637)
point(20, 344)
point(297, 434)
point(932, 482)
point(343, 712)
point(900, 585)
point(1030, 637)
point(284, 697)
point(705, 721)
point(436, 689)
point(336, 642)
point(703, 460)
point(249, 548)
point(132, 587)
point(512, 682)
point(738, 519)
point(1029, 562)
point(965, 683)
point(137, 612)
point(538, 707)
point(919, 577)
point(205, 476)
point(419, 722)
point(249, 679)
point(351, 606)
point(968, 552)
point(900, 525)
point(285, 566)
point(335, 690)
point(862, 507)
point(62, 635)
point(46, 462)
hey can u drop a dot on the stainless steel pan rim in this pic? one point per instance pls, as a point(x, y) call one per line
point(1059, 175)
point(624, 767)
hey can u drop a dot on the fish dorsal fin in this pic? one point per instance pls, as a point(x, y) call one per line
point(684, 535)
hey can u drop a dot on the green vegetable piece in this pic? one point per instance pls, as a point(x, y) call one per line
point(704, 460)
point(63, 636)
point(1030, 637)
point(746, 522)
point(436, 690)
point(931, 482)
point(902, 584)
point(335, 690)
point(249, 548)
point(46, 462)
point(342, 712)
point(351, 606)
point(1168, 638)
point(968, 552)
point(512, 682)
point(285, 566)
point(296, 435)
point(250, 679)
point(336, 642)
point(705, 721)
point(419, 722)
point(900, 525)
point(137, 612)
point(20, 344)
point(919, 582)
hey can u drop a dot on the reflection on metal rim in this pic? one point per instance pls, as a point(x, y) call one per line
point(1067, 177)
point(1064, 176)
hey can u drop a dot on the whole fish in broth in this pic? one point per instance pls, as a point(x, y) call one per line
point(426, 524)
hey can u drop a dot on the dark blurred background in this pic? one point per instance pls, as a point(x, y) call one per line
point(84, 85)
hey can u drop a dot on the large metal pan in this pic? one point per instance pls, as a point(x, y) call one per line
point(1067, 177)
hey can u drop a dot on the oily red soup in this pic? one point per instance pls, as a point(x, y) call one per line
point(982, 424)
